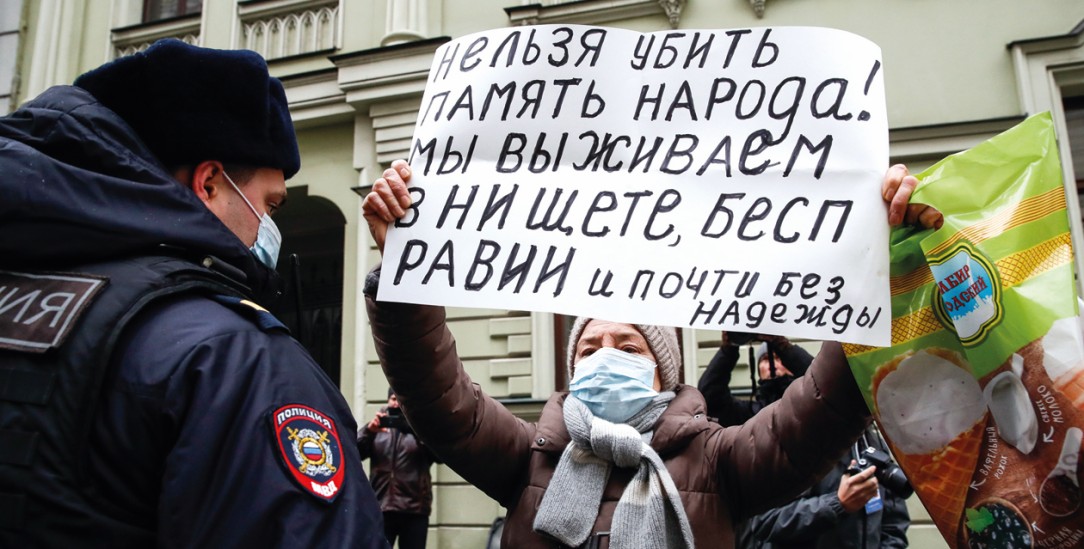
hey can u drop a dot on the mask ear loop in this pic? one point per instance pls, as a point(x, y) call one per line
point(266, 224)
point(243, 197)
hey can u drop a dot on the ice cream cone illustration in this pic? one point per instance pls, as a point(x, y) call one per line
point(933, 414)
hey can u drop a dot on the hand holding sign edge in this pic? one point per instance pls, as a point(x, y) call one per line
point(387, 201)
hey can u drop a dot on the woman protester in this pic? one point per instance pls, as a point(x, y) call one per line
point(627, 458)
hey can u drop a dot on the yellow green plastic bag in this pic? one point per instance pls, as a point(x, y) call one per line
point(981, 395)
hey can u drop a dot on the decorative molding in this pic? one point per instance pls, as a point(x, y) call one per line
point(388, 73)
point(758, 7)
point(136, 38)
point(53, 50)
point(288, 28)
point(1072, 39)
point(515, 368)
point(593, 12)
point(935, 141)
point(527, 409)
point(393, 128)
point(406, 22)
point(673, 10)
point(385, 85)
point(315, 99)
point(543, 354)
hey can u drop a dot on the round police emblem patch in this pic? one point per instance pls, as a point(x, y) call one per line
point(309, 446)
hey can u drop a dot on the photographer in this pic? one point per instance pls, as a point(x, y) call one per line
point(399, 475)
point(778, 362)
point(848, 507)
point(859, 504)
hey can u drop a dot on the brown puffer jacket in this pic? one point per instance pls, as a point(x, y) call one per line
point(400, 470)
point(723, 474)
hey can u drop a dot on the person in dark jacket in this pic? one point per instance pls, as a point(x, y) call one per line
point(778, 363)
point(841, 511)
point(628, 457)
point(400, 475)
point(145, 398)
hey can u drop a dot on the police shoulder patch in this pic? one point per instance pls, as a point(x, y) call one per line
point(309, 446)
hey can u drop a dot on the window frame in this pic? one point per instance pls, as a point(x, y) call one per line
point(183, 10)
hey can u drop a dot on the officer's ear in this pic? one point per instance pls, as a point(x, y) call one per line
point(204, 180)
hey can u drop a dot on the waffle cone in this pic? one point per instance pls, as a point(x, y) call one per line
point(1071, 385)
point(941, 479)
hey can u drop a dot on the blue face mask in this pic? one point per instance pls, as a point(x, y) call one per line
point(614, 384)
point(268, 238)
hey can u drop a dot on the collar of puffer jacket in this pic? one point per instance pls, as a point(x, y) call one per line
point(683, 419)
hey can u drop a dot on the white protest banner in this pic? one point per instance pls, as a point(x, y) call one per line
point(723, 179)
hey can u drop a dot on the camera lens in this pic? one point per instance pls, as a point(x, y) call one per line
point(892, 477)
point(888, 473)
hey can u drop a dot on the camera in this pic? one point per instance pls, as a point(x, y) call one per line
point(888, 473)
point(395, 420)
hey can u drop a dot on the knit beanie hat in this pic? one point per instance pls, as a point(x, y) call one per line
point(662, 340)
point(190, 104)
point(761, 351)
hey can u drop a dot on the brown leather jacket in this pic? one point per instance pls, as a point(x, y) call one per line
point(400, 470)
point(723, 474)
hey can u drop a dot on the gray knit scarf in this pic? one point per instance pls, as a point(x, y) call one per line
point(649, 514)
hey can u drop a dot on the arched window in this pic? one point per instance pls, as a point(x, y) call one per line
point(311, 266)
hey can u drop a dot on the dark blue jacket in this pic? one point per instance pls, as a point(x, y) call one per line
point(211, 426)
point(714, 384)
point(817, 520)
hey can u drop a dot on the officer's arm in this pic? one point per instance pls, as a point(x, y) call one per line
point(264, 454)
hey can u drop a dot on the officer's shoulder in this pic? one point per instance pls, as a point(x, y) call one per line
point(253, 312)
point(169, 328)
point(214, 312)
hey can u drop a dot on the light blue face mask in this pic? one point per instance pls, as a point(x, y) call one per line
point(268, 238)
point(614, 384)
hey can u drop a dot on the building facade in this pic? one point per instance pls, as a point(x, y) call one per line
point(956, 73)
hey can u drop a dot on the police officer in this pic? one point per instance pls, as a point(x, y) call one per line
point(145, 398)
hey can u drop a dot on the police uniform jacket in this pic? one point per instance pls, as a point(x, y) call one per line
point(204, 424)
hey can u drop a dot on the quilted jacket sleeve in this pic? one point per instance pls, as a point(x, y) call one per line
point(791, 443)
point(472, 433)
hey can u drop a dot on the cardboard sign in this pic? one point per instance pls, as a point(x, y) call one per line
point(716, 179)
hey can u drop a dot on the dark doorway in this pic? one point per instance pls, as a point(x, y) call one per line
point(311, 265)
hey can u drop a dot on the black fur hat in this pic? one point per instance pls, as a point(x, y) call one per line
point(191, 104)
